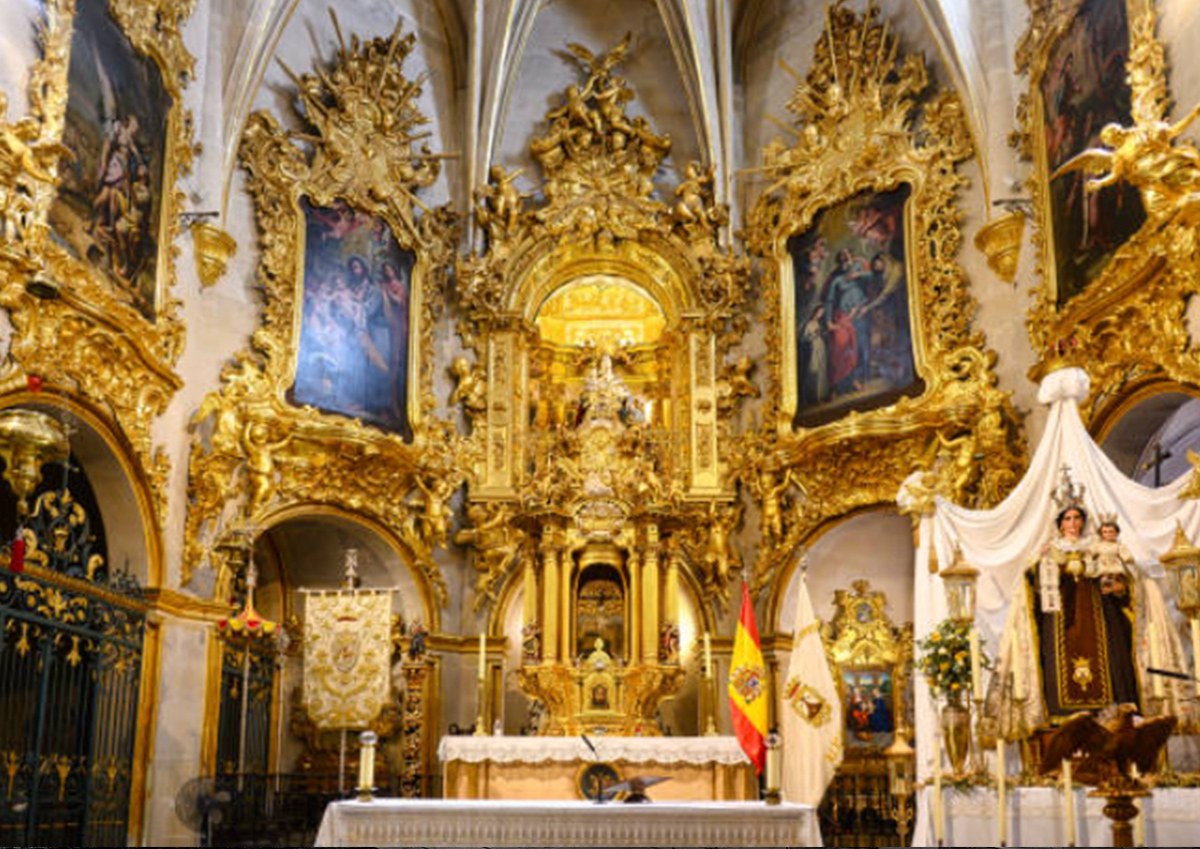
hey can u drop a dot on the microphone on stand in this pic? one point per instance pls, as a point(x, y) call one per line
point(585, 739)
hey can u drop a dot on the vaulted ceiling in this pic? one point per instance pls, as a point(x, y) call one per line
point(707, 72)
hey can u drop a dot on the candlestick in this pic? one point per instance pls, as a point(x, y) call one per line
point(976, 667)
point(939, 818)
point(707, 656)
point(1069, 801)
point(1195, 653)
point(1139, 822)
point(1001, 793)
point(482, 656)
point(366, 765)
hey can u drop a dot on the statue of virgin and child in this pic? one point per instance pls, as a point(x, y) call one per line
point(1085, 624)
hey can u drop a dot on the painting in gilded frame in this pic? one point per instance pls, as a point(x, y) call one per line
point(109, 208)
point(868, 696)
point(854, 344)
point(352, 354)
point(1083, 88)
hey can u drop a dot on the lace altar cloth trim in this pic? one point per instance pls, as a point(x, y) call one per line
point(428, 822)
point(532, 750)
point(1035, 816)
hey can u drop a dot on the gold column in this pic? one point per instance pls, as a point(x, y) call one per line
point(635, 607)
point(529, 606)
point(671, 590)
point(564, 594)
point(650, 596)
point(550, 604)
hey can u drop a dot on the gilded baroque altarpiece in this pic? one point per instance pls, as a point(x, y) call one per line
point(93, 340)
point(259, 454)
point(602, 485)
point(868, 134)
point(1128, 326)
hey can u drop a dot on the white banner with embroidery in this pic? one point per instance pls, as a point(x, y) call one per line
point(347, 656)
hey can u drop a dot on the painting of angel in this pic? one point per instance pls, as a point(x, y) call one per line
point(109, 207)
point(1083, 89)
point(853, 332)
point(352, 356)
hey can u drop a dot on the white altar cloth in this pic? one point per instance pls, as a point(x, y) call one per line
point(1035, 818)
point(436, 822)
point(639, 750)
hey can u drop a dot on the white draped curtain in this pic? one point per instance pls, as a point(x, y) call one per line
point(1003, 541)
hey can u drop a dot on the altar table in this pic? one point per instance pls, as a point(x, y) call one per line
point(1035, 818)
point(436, 822)
point(700, 768)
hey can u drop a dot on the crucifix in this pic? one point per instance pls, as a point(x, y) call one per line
point(1160, 457)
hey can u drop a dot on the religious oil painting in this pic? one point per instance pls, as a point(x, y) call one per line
point(1083, 89)
point(869, 707)
point(353, 352)
point(109, 206)
point(854, 346)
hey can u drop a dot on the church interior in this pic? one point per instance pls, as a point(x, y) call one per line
point(425, 420)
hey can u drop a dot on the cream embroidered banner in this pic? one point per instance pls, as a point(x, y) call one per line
point(347, 656)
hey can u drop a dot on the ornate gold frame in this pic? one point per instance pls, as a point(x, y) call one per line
point(366, 157)
point(115, 357)
point(857, 130)
point(1129, 328)
point(877, 643)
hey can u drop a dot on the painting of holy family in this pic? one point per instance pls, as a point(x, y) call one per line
point(854, 339)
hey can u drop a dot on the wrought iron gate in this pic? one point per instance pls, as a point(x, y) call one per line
point(253, 667)
point(71, 639)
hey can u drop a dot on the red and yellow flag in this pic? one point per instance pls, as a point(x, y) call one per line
point(748, 686)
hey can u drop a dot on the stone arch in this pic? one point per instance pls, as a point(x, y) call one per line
point(123, 491)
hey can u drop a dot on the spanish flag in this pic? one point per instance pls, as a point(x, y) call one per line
point(748, 686)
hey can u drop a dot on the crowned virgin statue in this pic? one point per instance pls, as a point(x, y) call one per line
point(1085, 624)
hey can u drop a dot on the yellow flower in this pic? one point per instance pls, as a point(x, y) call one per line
point(960, 655)
point(943, 667)
point(956, 686)
point(934, 637)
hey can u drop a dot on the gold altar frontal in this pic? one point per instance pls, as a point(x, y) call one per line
point(528, 768)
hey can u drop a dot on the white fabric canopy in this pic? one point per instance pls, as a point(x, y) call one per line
point(1003, 541)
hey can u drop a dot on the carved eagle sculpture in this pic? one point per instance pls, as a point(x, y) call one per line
point(1110, 745)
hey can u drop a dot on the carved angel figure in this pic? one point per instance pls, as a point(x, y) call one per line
point(498, 204)
point(720, 557)
point(1167, 176)
point(23, 158)
point(695, 196)
point(260, 463)
point(471, 389)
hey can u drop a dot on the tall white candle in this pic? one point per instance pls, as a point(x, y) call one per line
point(1001, 793)
point(707, 656)
point(939, 819)
point(1068, 801)
point(976, 667)
point(1196, 653)
point(1156, 661)
point(773, 768)
point(482, 656)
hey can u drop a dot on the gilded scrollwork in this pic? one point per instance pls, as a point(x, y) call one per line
point(865, 123)
point(1129, 328)
point(256, 452)
point(92, 339)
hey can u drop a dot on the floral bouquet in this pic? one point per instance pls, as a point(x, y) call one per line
point(946, 659)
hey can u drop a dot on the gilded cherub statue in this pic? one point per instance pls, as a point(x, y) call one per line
point(23, 159)
point(1168, 176)
point(498, 204)
point(260, 463)
point(471, 389)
